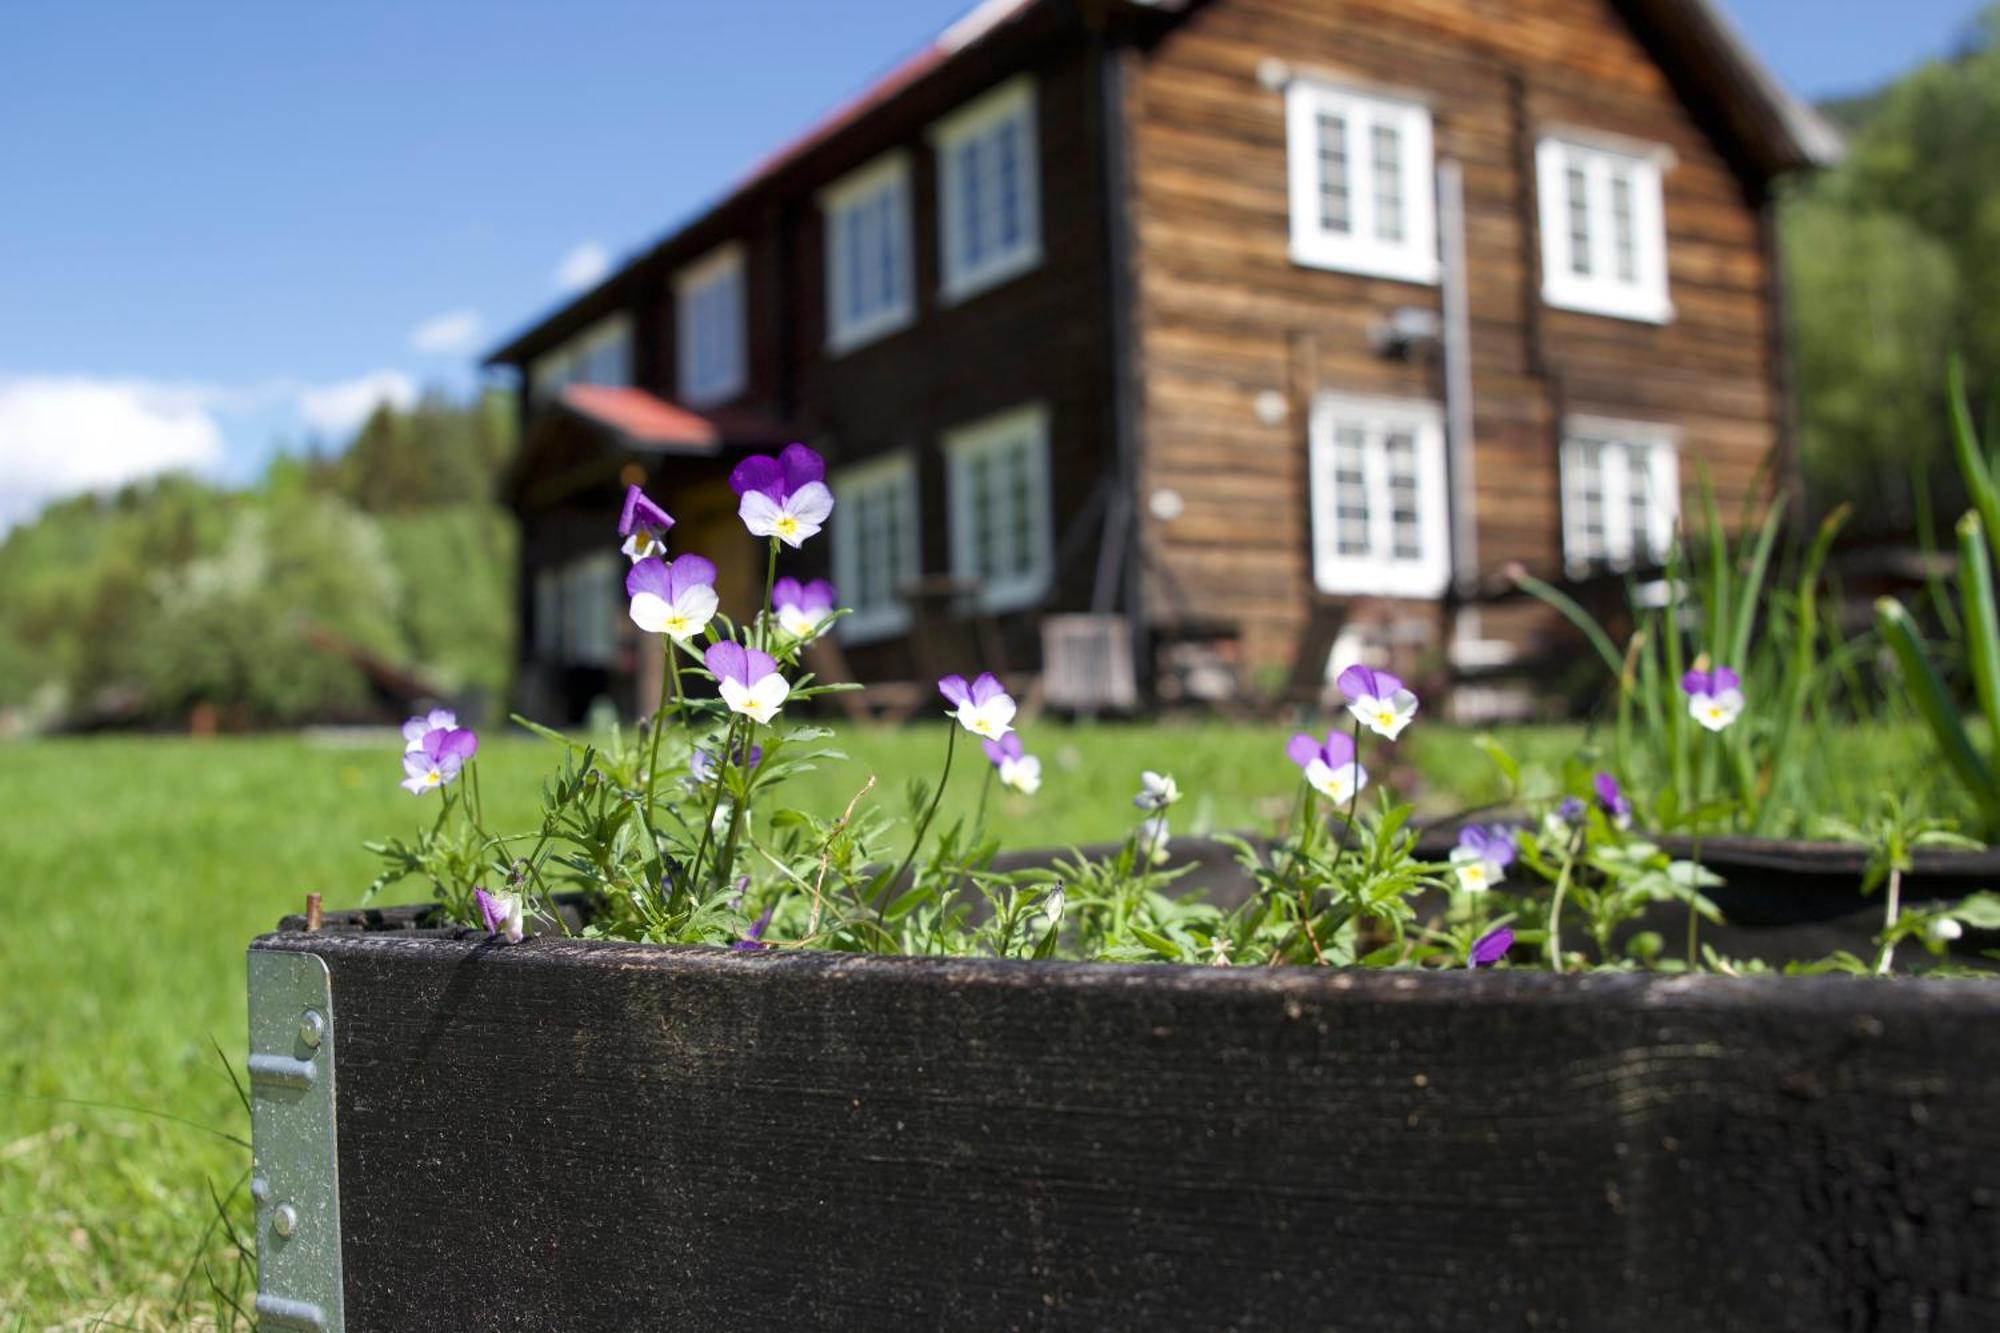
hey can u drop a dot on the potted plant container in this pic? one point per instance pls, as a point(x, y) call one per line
point(565, 1134)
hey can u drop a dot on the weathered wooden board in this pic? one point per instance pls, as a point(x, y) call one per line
point(591, 1136)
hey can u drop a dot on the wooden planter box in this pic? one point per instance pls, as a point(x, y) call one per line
point(577, 1136)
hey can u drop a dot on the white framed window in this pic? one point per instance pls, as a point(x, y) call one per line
point(869, 282)
point(709, 301)
point(1621, 492)
point(1380, 517)
point(602, 354)
point(1604, 230)
point(876, 545)
point(1001, 532)
point(1362, 182)
point(989, 190)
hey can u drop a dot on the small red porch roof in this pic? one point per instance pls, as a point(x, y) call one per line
point(649, 422)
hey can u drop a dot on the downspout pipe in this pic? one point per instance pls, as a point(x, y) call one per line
point(1457, 343)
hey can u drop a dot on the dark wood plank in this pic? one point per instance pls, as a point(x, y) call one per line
point(592, 1136)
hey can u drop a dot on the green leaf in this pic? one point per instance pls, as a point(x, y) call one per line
point(1982, 621)
point(1927, 693)
point(1981, 910)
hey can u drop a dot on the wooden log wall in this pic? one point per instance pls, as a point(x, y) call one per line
point(1225, 313)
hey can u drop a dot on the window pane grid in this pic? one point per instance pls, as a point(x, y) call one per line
point(1378, 500)
point(1618, 504)
point(1361, 187)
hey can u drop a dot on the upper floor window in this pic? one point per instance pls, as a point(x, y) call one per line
point(868, 271)
point(875, 545)
point(602, 354)
point(713, 356)
point(1363, 194)
point(1621, 493)
point(1604, 233)
point(1000, 523)
point(1380, 520)
point(989, 190)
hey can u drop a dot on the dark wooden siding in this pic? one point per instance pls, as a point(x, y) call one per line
point(1038, 337)
point(1225, 315)
point(1041, 336)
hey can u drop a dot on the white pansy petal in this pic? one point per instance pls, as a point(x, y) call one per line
point(693, 610)
point(651, 613)
point(760, 513)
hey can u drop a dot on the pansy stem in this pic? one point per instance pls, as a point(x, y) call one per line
point(736, 806)
point(1554, 942)
point(765, 619)
point(714, 804)
point(1894, 910)
point(923, 825)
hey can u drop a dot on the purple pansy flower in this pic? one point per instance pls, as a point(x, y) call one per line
point(1491, 947)
point(643, 525)
point(1611, 800)
point(1018, 769)
point(753, 938)
point(1378, 700)
point(676, 600)
point(802, 608)
point(1715, 698)
point(702, 763)
point(1570, 809)
point(437, 759)
point(414, 731)
point(1330, 767)
point(1482, 856)
point(783, 497)
point(502, 914)
point(749, 679)
point(983, 708)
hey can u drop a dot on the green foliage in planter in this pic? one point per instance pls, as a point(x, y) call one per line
point(1977, 626)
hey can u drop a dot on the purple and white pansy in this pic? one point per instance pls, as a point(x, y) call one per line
point(1482, 856)
point(1017, 768)
point(677, 600)
point(1491, 947)
point(502, 914)
point(1378, 700)
point(643, 525)
point(1157, 791)
point(437, 759)
point(1330, 766)
point(414, 731)
point(802, 608)
point(749, 680)
point(1715, 697)
point(784, 497)
point(983, 708)
point(1611, 800)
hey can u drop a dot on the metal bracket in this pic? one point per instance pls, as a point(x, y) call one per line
point(294, 1158)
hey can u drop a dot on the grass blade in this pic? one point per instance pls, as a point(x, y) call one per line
point(1574, 614)
point(1927, 693)
point(1982, 622)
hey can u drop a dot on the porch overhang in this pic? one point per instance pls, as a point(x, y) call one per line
point(588, 432)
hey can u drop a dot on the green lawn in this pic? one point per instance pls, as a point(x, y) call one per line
point(133, 872)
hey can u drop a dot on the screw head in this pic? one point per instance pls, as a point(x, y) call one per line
point(285, 1220)
point(312, 1028)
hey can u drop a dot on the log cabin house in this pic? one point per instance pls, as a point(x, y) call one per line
point(1194, 342)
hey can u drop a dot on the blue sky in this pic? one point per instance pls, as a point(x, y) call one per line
point(228, 225)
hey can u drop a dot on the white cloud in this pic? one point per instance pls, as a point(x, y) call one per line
point(62, 435)
point(448, 334)
point(584, 266)
point(336, 409)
